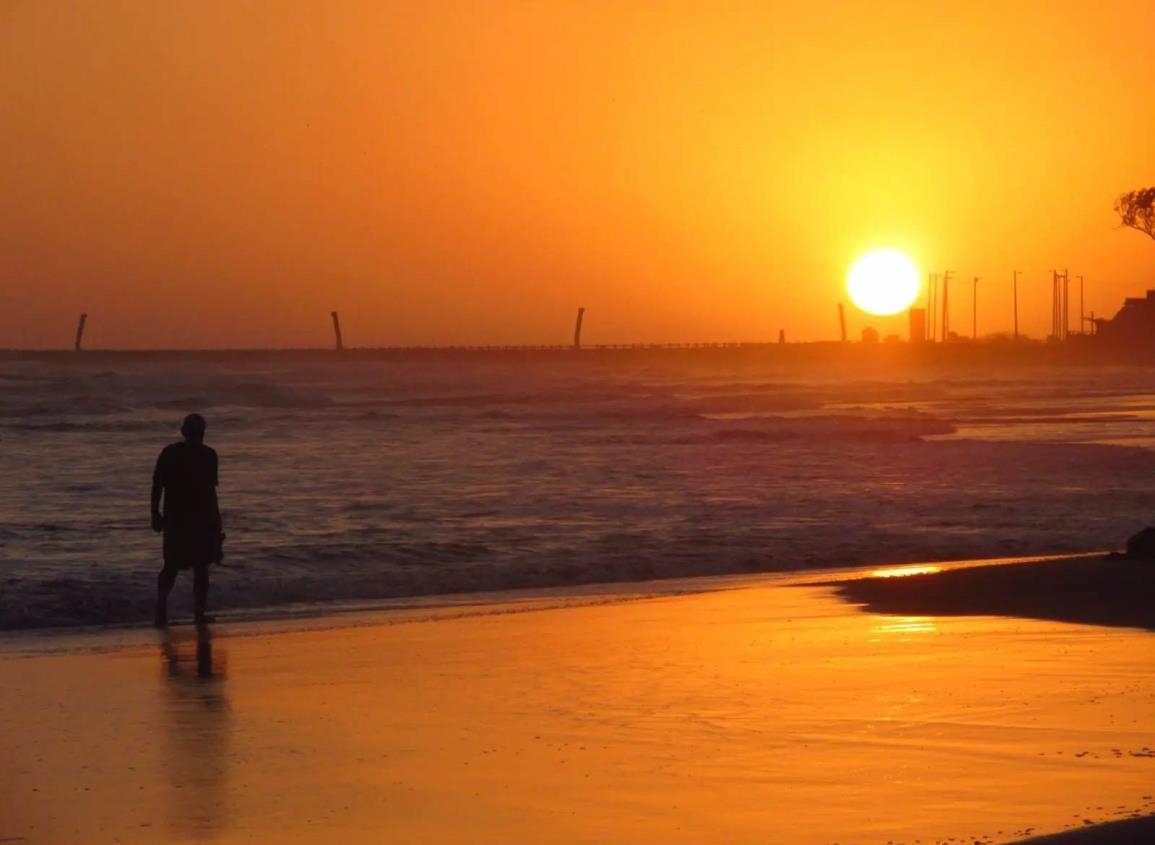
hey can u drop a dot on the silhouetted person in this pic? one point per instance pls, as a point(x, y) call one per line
point(186, 478)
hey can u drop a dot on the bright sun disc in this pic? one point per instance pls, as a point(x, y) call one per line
point(883, 282)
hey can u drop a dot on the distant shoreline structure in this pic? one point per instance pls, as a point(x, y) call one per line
point(1126, 338)
point(1076, 350)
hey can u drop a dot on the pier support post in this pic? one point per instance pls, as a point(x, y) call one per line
point(80, 331)
point(577, 329)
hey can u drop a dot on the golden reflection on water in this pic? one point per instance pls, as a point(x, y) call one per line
point(905, 571)
point(196, 719)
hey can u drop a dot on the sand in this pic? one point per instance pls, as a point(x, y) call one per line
point(1094, 590)
point(759, 714)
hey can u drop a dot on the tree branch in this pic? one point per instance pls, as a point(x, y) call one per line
point(1136, 209)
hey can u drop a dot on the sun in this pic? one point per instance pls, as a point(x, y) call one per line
point(883, 281)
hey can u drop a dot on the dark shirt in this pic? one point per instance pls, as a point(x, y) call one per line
point(188, 474)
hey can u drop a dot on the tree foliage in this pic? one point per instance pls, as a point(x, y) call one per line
point(1137, 210)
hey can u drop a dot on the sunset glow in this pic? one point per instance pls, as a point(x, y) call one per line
point(575, 422)
point(472, 173)
point(883, 282)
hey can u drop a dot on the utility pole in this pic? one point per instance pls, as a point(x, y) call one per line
point(1082, 312)
point(337, 331)
point(932, 310)
point(577, 329)
point(1016, 293)
point(946, 304)
point(1054, 306)
point(930, 304)
point(1060, 293)
point(975, 310)
point(1066, 303)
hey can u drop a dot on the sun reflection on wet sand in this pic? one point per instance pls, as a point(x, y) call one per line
point(905, 571)
point(903, 628)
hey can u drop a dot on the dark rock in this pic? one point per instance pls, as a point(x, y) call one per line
point(1141, 546)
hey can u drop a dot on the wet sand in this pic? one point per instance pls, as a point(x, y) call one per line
point(1092, 590)
point(749, 715)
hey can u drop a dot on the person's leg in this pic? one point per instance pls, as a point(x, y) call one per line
point(164, 585)
point(200, 590)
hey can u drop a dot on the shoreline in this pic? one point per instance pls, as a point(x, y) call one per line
point(1128, 832)
point(1103, 591)
point(338, 613)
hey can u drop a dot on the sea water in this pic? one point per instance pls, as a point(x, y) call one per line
point(362, 479)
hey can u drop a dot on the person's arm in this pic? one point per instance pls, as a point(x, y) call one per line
point(220, 556)
point(216, 481)
point(157, 491)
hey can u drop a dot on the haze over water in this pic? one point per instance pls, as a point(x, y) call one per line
point(361, 480)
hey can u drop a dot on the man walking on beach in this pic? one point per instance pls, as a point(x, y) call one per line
point(186, 478)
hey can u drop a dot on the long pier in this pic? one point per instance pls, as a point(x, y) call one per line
point(1078, 349)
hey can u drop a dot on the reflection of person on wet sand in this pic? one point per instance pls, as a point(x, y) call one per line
point(197, 732)
point(186, 478)
point(180, 666)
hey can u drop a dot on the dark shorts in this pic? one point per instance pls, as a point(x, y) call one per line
point(190, 549)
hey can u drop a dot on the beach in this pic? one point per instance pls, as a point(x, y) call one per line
point(577, 423)
point(765, 709)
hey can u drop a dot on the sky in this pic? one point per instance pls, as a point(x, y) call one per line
point(223, 173)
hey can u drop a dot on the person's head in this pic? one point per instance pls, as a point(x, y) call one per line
point(193, 428)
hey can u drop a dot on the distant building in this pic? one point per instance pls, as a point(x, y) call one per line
point(1134, 325)
point(869, 335)
point(917, 325)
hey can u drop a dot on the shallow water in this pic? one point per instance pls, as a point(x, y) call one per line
point(358, 480)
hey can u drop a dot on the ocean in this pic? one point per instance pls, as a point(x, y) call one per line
point(355, 480)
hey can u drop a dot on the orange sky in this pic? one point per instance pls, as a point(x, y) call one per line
point(224, 173)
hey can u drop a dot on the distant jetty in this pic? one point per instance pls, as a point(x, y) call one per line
point(1128, 338)
point(1078, 350)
